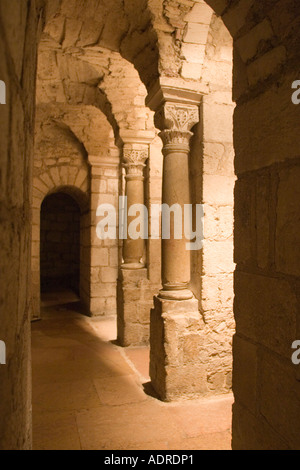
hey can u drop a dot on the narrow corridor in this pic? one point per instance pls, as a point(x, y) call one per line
point(88, 393)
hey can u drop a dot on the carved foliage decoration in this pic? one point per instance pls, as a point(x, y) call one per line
point(135, 161)
point(177, 117)
point(135, 157)
point(176, 122)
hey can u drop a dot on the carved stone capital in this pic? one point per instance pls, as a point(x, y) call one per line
point(135, 157)
point(175, 140)
point(176, 121)
point(134, 161)
point(177, 117)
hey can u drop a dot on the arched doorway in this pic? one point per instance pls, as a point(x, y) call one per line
point(60, 245)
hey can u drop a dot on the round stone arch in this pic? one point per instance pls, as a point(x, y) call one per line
point(103, 79)
point(126, 27)
point(75, 186)
point(65, 91)
point(80, 196)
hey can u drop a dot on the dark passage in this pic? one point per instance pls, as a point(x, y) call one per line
point(60, 243)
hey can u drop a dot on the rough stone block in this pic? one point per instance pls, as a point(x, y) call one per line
point(234, 18)
point(244, 216)
point(174, 352)
point(261, 140)
point(280, 403)
point(99, 257)
point(288, 222)
point(109, 274)
point(248, 44)
point(196, 33)
point(245, 385)
point(266, 311)
point(266, 65)
point(218, 257)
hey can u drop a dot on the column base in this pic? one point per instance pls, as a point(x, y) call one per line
point(183, 294)
point(135, 301)
point(176, 367)
point(133, 266)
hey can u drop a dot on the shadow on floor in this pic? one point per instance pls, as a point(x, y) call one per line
point(149, 390)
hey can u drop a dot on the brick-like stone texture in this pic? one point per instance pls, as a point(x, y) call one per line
point(18, 38)
point(212, 184)
point(135, 301)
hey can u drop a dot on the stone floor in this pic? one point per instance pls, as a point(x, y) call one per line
point(90, 394)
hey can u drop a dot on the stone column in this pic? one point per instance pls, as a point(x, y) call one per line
point(135, 297)
point(175, 122)
point(175, 328)
point(134, 163)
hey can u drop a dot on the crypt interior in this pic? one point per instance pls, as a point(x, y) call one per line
point(129, 344)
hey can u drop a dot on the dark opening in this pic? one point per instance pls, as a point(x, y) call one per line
point(60, 243)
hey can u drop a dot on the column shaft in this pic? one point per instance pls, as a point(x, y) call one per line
point(175, 257)
point(175, 121)
point(133, 249)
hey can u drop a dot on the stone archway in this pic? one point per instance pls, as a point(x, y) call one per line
point(76, 186)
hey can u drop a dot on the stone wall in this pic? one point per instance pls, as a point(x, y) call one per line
point(212, 184)
point(266, 138)
point(104, 254)
point(135, 300)
point(266, 383)
point(18, 37)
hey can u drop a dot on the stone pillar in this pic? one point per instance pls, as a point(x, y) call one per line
point(175, 121)
point(134, 163)
point(175, 360)
point(135, 297)
point(133, 326)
